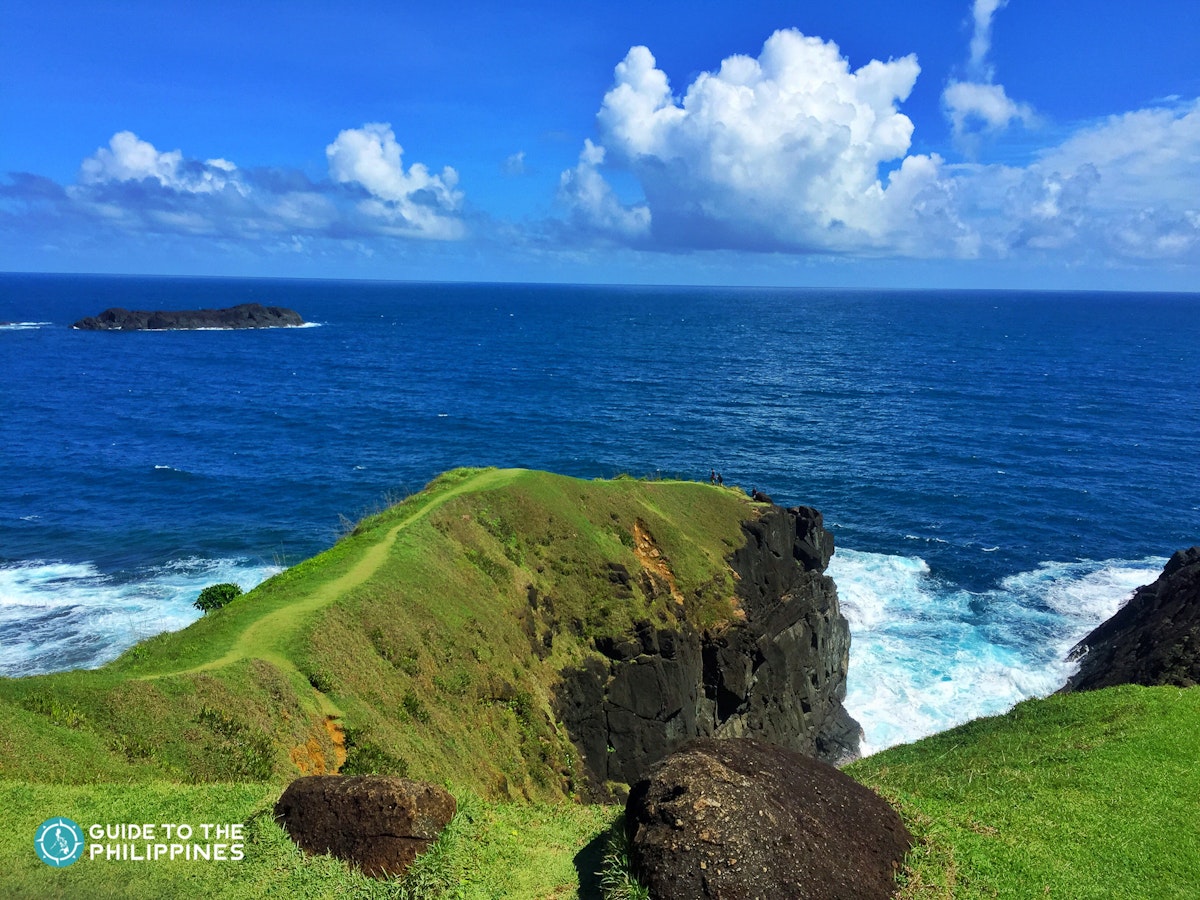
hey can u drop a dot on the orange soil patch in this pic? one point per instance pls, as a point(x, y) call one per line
point(338, 737)
point(310, 756)
point(652, 558)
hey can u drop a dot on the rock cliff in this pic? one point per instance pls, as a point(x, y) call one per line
point(778, 673)
point(246, 315)
point(1154, 639)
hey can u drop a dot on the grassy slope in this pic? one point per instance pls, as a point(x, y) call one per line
point(1093, 795)
point(416, 636)
point(414, 641)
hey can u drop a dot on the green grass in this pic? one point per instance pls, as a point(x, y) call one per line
point(490, 850)
point(428, 642)
point(1091, 795)
point(432, 634)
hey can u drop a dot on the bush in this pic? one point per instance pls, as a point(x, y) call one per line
point(217, 595)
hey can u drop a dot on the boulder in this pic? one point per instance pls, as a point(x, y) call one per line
point(245, 315)
point(1154, 639)
point(380, 823)
point(741, 819)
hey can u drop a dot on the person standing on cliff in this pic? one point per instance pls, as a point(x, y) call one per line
point(712, 476)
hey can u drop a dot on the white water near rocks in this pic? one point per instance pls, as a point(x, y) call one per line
point(927, 655)
point(57, 615)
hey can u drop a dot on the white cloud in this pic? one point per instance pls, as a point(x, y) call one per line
point(793, 151)
point(1123, 189)
point(413, 202)
point(594, 204)
point(970, 104)
point(132, 186)
point(784, 149)
point(1148, 157)
point(129, 158)
point(1142, 174)
point(977, 105)
point(981, 38)
point(514, 164)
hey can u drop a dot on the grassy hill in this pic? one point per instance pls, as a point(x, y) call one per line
point(427, 643)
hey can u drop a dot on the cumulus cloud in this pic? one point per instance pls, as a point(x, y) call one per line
point(594, 204)
point(784, 149)
point(133, 186)
point(977, 105)
point(413, 202)
point(1128, 186)
point(128, 158)
point(795, 151)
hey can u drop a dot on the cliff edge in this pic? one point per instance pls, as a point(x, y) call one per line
point(776, 672)
point(1154, 639)
point(518, 633)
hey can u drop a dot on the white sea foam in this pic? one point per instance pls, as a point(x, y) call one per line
point(927, 655)
point(22, 326)
point(57, 615)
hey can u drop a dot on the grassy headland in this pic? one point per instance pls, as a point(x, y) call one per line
point(427, 643)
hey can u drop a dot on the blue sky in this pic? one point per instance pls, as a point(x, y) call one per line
point(942, 143)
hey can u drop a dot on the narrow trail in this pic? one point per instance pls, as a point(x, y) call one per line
point(265, 637)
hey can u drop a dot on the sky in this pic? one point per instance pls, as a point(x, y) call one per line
point(935, 143)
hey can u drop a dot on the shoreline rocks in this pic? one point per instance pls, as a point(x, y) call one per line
point(245, 315)
point(1154, 639)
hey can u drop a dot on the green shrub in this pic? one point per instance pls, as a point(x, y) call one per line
point(217, 595)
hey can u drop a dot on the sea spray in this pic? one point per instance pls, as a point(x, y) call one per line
point(56, 615)
point(927, 655)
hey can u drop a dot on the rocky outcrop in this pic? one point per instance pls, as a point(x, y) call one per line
point(778, 674)
point(378, 822)
point(1154, 639)
point(245, 315)
point(744, 819)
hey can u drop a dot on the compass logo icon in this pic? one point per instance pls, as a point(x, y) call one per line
point(59, 842)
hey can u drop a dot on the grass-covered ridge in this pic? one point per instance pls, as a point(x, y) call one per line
point(427, 642)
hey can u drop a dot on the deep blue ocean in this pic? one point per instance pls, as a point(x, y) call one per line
point(999, 469)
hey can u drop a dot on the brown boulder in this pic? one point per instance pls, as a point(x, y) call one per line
point(740, 819)
point(380, 823)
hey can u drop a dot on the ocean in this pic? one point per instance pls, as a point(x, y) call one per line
point(999, 469)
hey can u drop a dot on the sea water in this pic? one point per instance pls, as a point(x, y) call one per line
point(999, 469)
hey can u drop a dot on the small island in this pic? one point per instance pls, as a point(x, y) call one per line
point(245, 315)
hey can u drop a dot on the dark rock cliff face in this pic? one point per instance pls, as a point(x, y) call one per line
point(779, 675)
point(247, 315)
point(1154, 639)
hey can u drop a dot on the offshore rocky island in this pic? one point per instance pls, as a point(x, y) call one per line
point(536, 644)
point(244, 315)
